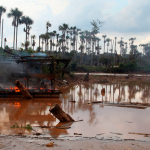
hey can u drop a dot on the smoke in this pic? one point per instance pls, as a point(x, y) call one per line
point(11, 70)
point(9, 66)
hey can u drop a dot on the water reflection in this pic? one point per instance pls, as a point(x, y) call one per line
point(98, 118)
point(115, 93)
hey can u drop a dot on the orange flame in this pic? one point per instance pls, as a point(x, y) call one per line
point(16, 89)
point(17, 104)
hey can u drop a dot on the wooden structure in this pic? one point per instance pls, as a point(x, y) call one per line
point(29, 65)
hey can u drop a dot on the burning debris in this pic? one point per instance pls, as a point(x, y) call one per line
point(23, 90)
point(27, 68)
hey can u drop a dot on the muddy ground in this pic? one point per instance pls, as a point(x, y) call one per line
point(98, 79)
point(38, 143)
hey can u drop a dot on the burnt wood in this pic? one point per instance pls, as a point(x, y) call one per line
point(23, 90)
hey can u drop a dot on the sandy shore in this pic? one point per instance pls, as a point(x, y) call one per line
point(30, 143)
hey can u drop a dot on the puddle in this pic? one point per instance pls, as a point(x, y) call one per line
point(99, 120)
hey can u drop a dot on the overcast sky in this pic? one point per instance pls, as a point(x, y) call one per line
point(122, 18)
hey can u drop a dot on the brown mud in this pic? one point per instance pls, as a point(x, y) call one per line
point(99, 79)
point(38, 143)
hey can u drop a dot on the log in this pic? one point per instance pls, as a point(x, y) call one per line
point(23, 90)
point(60, 114)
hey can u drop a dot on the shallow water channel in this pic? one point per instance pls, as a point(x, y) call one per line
point(99, 119)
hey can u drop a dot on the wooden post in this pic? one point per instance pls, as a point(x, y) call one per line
point(23, 90)
point(60, 114)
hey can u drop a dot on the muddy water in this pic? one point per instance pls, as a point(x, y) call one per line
point(99, 120)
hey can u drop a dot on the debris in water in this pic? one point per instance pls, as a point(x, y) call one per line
point(116, 133)
point(145, 134)
point(60, 114)
point(103, 90)
point(129, 139)
point(129, 122)
point(97, 102)
point(100, 134)
point(50, 144)
point(37, 134)
point(77, 133)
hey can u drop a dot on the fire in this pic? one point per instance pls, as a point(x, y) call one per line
point(17, 104)
point(15, 88)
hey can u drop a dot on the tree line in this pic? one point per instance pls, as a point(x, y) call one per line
point(82, 47)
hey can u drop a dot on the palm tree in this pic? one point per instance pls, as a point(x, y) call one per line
point(108, 40)
point(47, 28)
point(39, 42)
point(143, 45)
point(51, 35)
point(104, 36)
point(27, 21)
point(42, 37)
point(19, 14)
point(33, 43)
point(98, 48)
point(121, 43)
point(45, 37)
point(131, 45)
point(2, 10)
point(54, 38)
point(115, 44)
point(16, 14)
point(64, 27)
point(26, 44)
point(132, 40)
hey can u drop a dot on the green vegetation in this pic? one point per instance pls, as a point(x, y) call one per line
point(28, 126)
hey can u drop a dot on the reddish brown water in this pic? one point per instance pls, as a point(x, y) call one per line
point(97, 118)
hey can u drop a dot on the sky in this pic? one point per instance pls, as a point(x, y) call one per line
point(122, 18)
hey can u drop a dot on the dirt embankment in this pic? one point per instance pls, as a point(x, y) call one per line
point(98, 79)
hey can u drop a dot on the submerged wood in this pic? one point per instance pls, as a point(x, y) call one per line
point(60, 114)
point(139, 133)
point(129, 106)
point(23, 90)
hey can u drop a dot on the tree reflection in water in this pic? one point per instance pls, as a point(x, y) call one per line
point(37, 111)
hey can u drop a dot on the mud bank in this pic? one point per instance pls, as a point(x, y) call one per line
point(104, 79)
point(38, 143)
